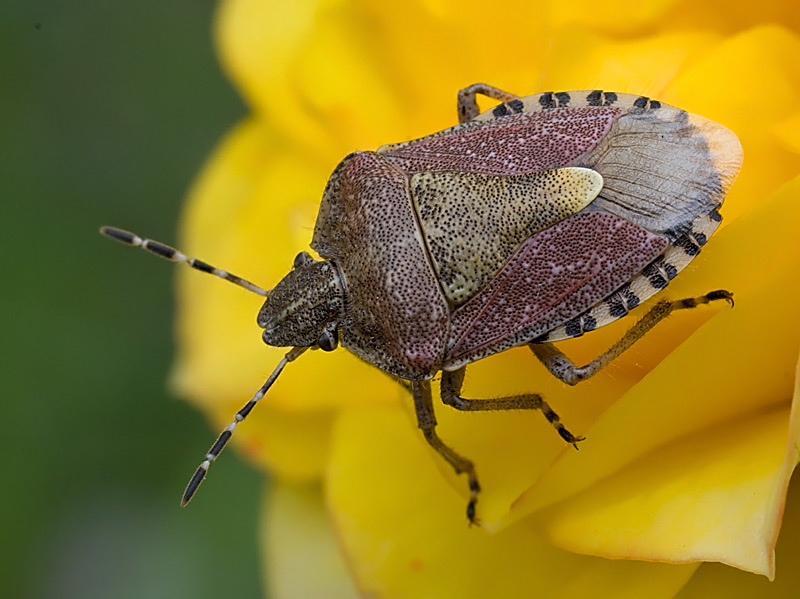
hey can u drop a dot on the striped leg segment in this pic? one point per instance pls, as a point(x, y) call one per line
point(226, 434)
point(468, 105)
point(452, 382)
point(563, 368)
point(173, 255)
point(426, 420)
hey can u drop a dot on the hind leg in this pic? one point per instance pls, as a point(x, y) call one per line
point(468, 104)
point(563, 368)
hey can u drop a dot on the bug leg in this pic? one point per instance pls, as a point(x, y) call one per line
point(452, 382)
point(426, 420)
point(563, 368)
point(468, 104)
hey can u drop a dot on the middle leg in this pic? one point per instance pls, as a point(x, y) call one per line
point(452, 381)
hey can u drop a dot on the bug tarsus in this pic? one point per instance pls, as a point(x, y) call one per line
point(720, 294)
point(475, 489)
point(576, 441)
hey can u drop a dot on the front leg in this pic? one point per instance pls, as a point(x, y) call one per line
point(426, 420)
point(468, 105)
point(452, 382)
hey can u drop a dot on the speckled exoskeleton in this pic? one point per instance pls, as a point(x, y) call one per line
point(539, 220)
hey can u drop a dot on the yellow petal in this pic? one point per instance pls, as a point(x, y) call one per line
point(788, 132)
point(312, 80)
point(404, 531)
point(740, 361)
point(300, 555)
point(581, 59)
point(250, 212)
point(432, 48)
point(610, 17)
point(706, 497)
point(717, 580)
point(729, 17)
point(764, 57)
point(648, 15)
point(258, 42)
point(333, 89)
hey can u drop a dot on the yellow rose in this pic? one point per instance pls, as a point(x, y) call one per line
point(691, 437)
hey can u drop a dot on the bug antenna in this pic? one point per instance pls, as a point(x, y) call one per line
point(173, 255)
point(223, 438)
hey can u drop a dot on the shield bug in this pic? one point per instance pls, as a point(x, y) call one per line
point(541, 219)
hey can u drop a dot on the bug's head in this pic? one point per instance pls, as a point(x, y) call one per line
point(306, 307)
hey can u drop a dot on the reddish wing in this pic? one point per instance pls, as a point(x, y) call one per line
point(555, 275)
point(515, 144)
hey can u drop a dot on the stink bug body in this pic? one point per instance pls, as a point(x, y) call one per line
point(539, 220)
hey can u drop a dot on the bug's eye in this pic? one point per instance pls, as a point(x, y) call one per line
point(302, 259)
point(329, 340)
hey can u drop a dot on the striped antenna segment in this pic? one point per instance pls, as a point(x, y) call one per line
point(200, 474)
point(173, 255)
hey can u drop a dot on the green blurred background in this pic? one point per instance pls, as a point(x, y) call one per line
point(107, 112)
